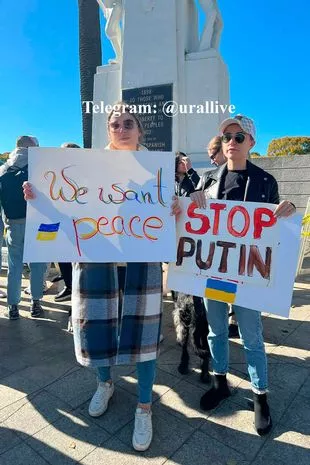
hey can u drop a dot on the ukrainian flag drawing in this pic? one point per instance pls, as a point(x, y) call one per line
point(221, 290)
point(47, 232)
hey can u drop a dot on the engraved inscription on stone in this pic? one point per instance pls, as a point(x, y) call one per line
point(148, 102)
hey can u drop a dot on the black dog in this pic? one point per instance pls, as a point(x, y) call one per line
point(191, 322)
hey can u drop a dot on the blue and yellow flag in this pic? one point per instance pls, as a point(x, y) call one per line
point(221, 290)
point(47, 232)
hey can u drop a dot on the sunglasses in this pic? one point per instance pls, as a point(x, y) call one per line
point(239, 137)
point(128, 124)
point(213, 157)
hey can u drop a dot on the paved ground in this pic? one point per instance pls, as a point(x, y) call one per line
point(44, 396)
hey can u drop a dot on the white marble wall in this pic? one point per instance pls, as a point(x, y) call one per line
point(160, 39)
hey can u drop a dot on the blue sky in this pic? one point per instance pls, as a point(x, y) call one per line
point(264, 43)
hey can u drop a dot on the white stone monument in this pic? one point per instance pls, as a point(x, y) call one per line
point(158, 44)
point(113, 12)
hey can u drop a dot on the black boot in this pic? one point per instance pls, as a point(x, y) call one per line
point(216, 394)
point(263, 423)
point(205, 375)
point(56, 278)
point(36, 310)
point(63, 295)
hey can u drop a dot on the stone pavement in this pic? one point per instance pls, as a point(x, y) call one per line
point(44, 396)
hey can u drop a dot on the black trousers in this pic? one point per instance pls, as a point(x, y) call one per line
point(66, 273)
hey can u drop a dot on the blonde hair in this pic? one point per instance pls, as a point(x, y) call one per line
point(215, 145)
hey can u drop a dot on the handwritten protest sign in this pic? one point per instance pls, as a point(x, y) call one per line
point(236, 252)
point(97, 205)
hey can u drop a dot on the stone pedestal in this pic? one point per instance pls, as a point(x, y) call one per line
point(159, 42)
point(107, 89)
point(150, 48)
point(207, 84)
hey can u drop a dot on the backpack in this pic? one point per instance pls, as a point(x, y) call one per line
point(11, 192)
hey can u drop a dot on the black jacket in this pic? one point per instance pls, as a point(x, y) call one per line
point(11, 191)
point(188, 184)
point(260, 187)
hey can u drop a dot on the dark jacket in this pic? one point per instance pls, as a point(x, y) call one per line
point(11, 191)
point(260, 187)
point(188, 184)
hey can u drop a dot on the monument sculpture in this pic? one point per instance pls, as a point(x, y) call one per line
point(113, 12)
point(159, 59)
point(211, 34)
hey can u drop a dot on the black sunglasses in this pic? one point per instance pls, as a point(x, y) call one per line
point(213, 157)
point(239, 137)
point(127, 124)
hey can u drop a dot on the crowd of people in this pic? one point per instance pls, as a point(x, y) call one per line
point(13, 174)
point(117, 308)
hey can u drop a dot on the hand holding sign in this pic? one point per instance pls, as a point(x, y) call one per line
point(284, 209)
point(238, 251)
point(118, 211)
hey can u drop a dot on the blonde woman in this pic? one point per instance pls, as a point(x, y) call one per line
point(103, 337)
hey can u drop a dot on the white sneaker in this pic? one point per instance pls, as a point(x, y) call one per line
point(100, 400)
point(143, 432)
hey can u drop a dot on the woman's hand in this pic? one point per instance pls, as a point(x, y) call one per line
point(176, 209)
point(28, 192)
point(199, 197)
point(284, 209)
point(186, 163)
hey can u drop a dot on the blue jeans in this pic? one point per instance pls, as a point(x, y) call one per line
point(1, 239)
point(15, 243)
point(251, 333)
point(146, 376)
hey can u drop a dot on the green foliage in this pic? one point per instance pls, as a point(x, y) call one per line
point(289, 146)
point(3, 157)
point(255, 155)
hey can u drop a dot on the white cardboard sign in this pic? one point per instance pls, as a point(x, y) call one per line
point(96, 205)
point(237, 252)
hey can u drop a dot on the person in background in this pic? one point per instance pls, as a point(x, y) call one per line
point(215, 151)
point(66, 268)
point(12, 175)
point(186, 181)
point(189, 315)
point(216, 157)
point(186, 178)
point(2, 293)
point(239, 180)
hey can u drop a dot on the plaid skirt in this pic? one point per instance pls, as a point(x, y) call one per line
point(103, 336)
